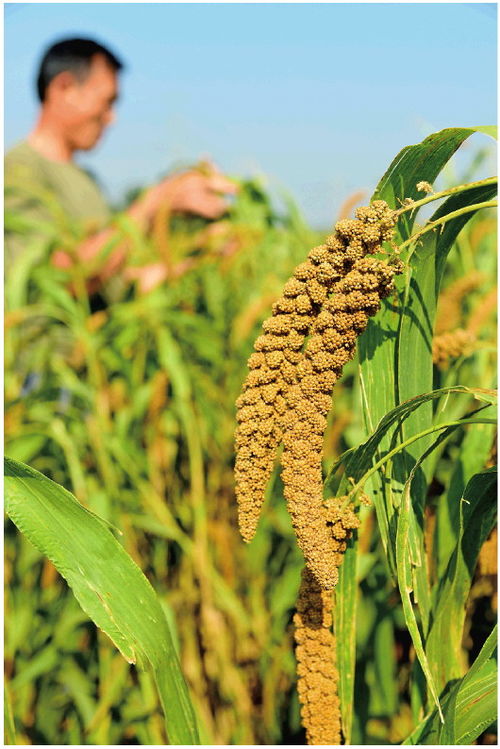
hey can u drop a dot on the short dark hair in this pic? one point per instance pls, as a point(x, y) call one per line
point(73, 55)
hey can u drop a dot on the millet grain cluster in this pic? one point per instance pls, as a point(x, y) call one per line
point(484, 312)
point(450, 342)
point(315, 653)
point(286, 397)
point(315, 642)
point(452, 345)
point(450, 303)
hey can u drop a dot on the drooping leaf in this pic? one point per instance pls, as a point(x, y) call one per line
point(477, 512)
point(474, 451)
point(405, 570)
point(396, 349)
point(421, 162)
point(106, 582)
point(396, 357)
point(491, 130)
point(357, 461)
point(423, 280)
point(469, 704)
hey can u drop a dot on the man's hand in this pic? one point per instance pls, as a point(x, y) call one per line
point(191, 192)
point(201, 194)
point(194, 192)
point(150, 276)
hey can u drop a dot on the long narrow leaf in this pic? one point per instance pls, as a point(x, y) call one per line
point(477, 510)
point(469, 707)
point(406, 585)
point(106, 582)
point(346, 596)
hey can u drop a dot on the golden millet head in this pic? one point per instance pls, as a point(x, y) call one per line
point(451, 345)
point(315, 654)
point(287, 393)
point(342, 520)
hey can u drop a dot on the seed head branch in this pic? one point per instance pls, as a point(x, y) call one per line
point(286, 397)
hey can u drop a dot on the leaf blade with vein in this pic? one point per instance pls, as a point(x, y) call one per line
point(106, 582)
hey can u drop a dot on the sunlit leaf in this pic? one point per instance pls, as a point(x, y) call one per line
point(106, 582)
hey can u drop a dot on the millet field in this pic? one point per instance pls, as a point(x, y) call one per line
point(257, 504)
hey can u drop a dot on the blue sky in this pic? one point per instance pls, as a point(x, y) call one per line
point(317, 97)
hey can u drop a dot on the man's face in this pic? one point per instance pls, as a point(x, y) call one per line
point(87, 106)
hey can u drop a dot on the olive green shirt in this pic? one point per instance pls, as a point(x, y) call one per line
point(44, 199)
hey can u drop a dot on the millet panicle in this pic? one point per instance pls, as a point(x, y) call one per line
point(316, 670)
point(286, 397)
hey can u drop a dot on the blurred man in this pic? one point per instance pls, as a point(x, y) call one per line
point(77, 87)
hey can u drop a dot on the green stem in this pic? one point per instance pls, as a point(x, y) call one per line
point(405, 444)
point(431, 225)
point(450, 191)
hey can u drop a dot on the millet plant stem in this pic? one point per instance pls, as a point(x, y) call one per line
point(444, 193)
point(431, 225)
point(436, 428)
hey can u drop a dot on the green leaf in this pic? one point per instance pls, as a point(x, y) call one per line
point(406, 585)
point(491, 130)
point(414, 341)
point(469, 704)
point(408, 541)
point(396, 361)
point(478, 511)
point(396, 349)
point(346, 596)
point(357, 461)
point(409, 571)
point(476, 702)
point(384, 653)
point(8, 719)
point(109, 586)
point(421, 162)
point(414, 361)
point(441, 241)
point(474, 451)
point(42, 663)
